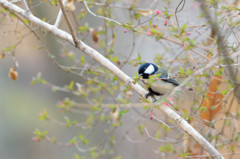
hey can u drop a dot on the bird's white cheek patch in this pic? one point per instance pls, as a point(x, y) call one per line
point(149, 70)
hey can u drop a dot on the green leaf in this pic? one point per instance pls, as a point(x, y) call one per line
point(83, 139)
point(118, 157)
point(43, 115)
point(154, 31)
point(82, 60)
point(39, 134)
point(166, 148)
point(139, 57)
point(68, 121)
point(185, 154)
point(26, 21)
point(102, 118)
point(70, 86)
point(112, 140)
point(83, 28)
point(147, 107)
point(140, 128)
point(181, 71)
point(224, 92)
point(73, 141)
point(158, 134)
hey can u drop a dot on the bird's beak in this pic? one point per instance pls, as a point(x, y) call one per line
point(140, 75)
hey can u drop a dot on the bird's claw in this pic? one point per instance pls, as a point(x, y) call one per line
point(149, 94)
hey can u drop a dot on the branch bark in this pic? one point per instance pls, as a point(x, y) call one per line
point(116, 71)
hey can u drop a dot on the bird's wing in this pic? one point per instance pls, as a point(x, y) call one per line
point(164, 76)
point(171, 80)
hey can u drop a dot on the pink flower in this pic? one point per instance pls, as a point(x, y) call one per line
point(186, 33)
point(167, 104)
point(149, 32)
point(170, 100)
point(126, 31)
point(151, 115)
point(165, 23)
point(158, 12)
point(37, 139)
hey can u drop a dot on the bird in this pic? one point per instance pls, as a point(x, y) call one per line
point(158, 87)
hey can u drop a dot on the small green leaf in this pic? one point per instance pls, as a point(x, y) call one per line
point(158, 134)
point(166, 148)
point(70, 86)
point(82, 60)
point(73, 141)
point(43, 115)
point(112, 140)
point(140, 128)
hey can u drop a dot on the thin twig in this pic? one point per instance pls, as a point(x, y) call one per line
point(26, 6)
point(69, 24)
point(177, 11)
point(165, 141)
point(59, 17)
point(99, 16)
point(160, 121)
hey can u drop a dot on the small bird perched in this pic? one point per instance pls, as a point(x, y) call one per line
point(161, 86)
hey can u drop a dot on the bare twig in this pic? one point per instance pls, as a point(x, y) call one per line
point(165, 141)
point(99, 16)
point(69, 24)
point(59, 17)
point(26, 6)
point(177, 11)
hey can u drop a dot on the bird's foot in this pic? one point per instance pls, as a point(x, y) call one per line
point(149, 94)
point(152, 95)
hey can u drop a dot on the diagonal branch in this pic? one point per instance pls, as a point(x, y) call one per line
point(116, 71)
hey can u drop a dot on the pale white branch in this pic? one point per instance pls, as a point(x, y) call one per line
point(26, 6)
point(159, 140)
point(59, 17)
point(160, 121)
point(83, 150)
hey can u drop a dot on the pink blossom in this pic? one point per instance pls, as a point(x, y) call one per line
point(62, 55)
point(126, 31)
point(61, 103)
point(165, 23)
point(167, 104)
point(186, 33)
point(37, 139)
point(170, 100)
point(151, 115)
point(149, 32)
point(158, 12)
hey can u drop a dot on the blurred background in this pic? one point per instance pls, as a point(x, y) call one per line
point(21, 102)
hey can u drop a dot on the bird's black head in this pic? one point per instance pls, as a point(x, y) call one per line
point(147, 69)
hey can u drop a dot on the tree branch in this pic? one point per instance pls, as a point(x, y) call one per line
point(116, 71)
